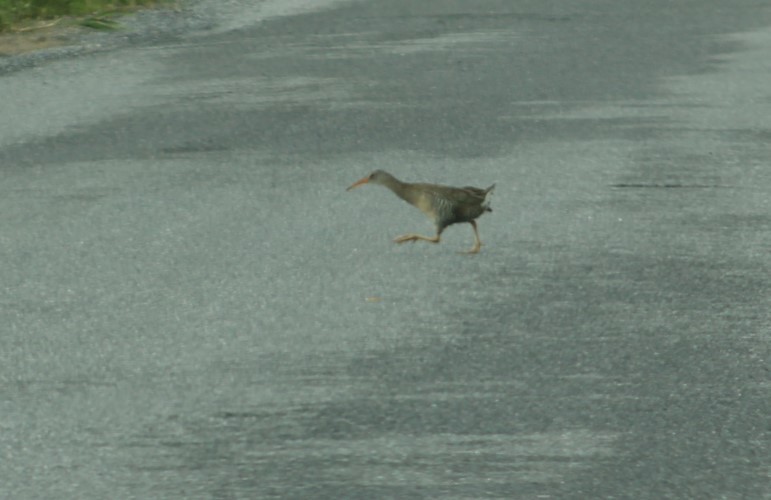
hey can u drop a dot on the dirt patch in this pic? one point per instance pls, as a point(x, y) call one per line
point(31, 35)
point(39, 35)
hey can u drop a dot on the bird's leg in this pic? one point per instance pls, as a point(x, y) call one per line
point(477, 242)
point(415, 237)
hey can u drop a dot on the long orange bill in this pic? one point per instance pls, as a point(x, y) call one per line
point(358, 183)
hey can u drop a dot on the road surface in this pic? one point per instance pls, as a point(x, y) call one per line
point(192, 306)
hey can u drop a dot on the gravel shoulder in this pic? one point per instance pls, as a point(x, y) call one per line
point(54, 40)
point(48, 41)
point(38, 36)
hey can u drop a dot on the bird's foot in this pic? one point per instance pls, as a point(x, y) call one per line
point(474, 249)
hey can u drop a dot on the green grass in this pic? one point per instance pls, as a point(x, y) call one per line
point(13, 12)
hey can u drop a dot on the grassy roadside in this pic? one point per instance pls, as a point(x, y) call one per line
point(18, 15)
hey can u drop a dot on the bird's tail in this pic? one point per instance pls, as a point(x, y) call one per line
point(486, 202)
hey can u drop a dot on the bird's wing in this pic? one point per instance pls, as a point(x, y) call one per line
point(446, 202)
point(474, 194)
point(479, 197)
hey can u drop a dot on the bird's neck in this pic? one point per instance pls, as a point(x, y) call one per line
point(401, 189)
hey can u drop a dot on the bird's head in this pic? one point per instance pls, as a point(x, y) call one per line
point(376, 177)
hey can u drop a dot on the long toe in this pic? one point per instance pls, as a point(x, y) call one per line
point(405, 238)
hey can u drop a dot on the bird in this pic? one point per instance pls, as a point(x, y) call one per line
point(444, 204)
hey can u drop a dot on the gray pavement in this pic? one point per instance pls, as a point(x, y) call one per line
point(191, 305)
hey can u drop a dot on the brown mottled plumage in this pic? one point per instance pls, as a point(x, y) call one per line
point(444, 204)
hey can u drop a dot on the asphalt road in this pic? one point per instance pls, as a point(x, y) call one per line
point(192, 306)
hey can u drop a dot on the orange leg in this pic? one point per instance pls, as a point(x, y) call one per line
point(477, 242)
point(415, 237)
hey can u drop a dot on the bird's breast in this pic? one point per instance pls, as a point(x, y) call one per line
point(427, 204)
